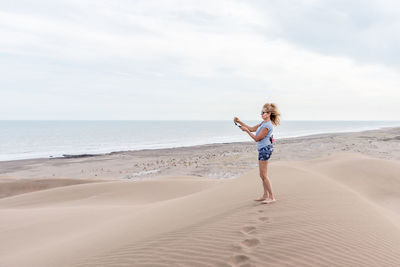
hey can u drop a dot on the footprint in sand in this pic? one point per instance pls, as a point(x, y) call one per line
point(256, 213)
point(248, 229)
point(250, 242)
point(239, 259)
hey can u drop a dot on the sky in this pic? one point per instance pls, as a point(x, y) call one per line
point(199, 60)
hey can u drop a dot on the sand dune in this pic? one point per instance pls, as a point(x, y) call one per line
point(375, 179)
point(331, 211)
point(111, 193)
point(11, 186)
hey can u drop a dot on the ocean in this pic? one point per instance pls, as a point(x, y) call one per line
point(44, 139)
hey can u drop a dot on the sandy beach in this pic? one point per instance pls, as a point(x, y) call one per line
point(338, 205)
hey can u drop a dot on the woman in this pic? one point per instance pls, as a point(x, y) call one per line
point(270, 115)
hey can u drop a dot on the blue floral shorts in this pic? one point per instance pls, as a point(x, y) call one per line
point(265, 153)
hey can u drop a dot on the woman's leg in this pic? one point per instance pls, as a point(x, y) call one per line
point(262, 166)
point(265, 181)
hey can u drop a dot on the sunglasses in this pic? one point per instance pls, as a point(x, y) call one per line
point(262, 112)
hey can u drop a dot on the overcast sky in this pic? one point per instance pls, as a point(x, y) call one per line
point(200, 60)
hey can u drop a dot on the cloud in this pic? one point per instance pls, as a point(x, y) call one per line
point(362, 30)
point(198, 59)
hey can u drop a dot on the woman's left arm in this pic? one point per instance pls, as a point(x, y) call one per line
point(260, 136)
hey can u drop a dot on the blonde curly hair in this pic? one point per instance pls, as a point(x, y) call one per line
point(275, 115)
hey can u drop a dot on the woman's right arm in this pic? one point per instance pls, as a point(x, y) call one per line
point(252, 129)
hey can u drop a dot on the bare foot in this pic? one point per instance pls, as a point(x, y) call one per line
point(268, 201)
point(260, 199)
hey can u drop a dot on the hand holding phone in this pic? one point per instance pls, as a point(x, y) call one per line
point(238, 125)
